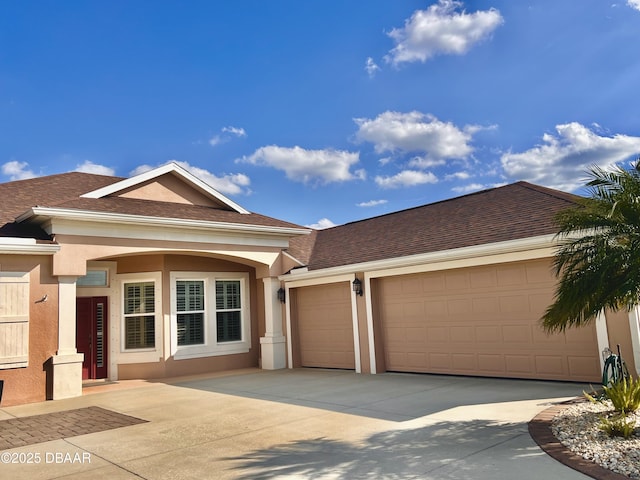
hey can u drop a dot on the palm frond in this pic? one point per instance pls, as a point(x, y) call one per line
point(598, 258)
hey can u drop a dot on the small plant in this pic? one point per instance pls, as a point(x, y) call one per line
point(595, 396)
point(618, 426)
point(624, 395)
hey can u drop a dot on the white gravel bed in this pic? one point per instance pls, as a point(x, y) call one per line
point(578, 428)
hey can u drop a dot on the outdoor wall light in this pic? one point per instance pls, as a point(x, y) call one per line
point(357, 286)
point(281, 295)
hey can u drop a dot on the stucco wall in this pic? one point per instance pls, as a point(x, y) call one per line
point(29, 384)
point(169, 367)
point(620, 334)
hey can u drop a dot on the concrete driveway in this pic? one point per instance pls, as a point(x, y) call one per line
point(302, 423)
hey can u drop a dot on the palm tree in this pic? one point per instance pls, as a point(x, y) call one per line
point(598, 259)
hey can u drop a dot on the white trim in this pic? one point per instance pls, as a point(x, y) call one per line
point(602, 336)
point(294, 259)
point(500, 252)
point(171, 167)
point(26, 246)
point(370, 334)
point(128, 219)
point(287, 314)
point(356, 327)
point(634, 328)
point(121, 355)
point(211, 347)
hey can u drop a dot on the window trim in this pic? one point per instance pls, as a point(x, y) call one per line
point(140, 355)
point(203, 311)
point(211, 346)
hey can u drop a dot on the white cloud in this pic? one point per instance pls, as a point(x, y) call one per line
point(441, 29)
point(228, 184)
point(306, 166)
point(322, 224)
point(417, 132)
point(458, 176)
point(17, 170)
point(472, 187)
point(634, 4)
point(563, 159)
point(89, 167)
point(371, 203)
point(371, 67)
point(406, 178)
point(237, 131)
point(227, 134)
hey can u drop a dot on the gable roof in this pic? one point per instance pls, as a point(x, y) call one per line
point(82, 195)
point(169, 168)
point(511, 212)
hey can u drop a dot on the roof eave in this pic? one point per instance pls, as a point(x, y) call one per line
point(539, 243)
point(26, 246)
point(41, 214)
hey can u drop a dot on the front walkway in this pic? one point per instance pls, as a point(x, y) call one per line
point(301, 424)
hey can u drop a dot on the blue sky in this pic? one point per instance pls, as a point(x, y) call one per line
point(322, 112)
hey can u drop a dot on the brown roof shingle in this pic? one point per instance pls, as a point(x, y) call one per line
point(18, 196)
point(514, 211)
point(65, 190)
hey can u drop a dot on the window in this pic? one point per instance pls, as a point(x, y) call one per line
point(191, 313)
point(139, 315)
point(209, 314)
point(14, 319)
point(228, 311)
point(93, 278)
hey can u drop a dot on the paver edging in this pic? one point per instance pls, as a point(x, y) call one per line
point(540, 431)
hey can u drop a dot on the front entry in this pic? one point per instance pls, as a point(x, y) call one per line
point(91, 335)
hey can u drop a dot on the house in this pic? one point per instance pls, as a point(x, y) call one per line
point(160, 275)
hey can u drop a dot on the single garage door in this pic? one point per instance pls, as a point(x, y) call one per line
point(325, 327)
point(481, 321)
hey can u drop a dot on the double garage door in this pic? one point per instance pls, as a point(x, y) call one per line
point(481, 321)
point(471, 321)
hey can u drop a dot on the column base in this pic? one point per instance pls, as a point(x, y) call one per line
point(67, 376)
point(273, 352)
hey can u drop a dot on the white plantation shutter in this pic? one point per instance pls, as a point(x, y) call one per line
point(14, 319)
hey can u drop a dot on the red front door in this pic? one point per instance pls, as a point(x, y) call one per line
point(91, 335)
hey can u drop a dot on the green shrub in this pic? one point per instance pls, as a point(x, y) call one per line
point(624, 395)
point(618, 426)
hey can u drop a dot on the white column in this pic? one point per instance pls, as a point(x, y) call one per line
point(67, 363)
point(273, 344)
point(634, 327)
point(602, 336)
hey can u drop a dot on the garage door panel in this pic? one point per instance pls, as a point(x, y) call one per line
point(490, 325)
point(511, 275)
point(464, 362)
point(579, 366)
point(491, 363)
point(325, 326)
point(518, 365)
point(462, 334)
point(516, 334)
point(483, 278)
point(485, 305)
point(459, 306)
point(549, 365)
